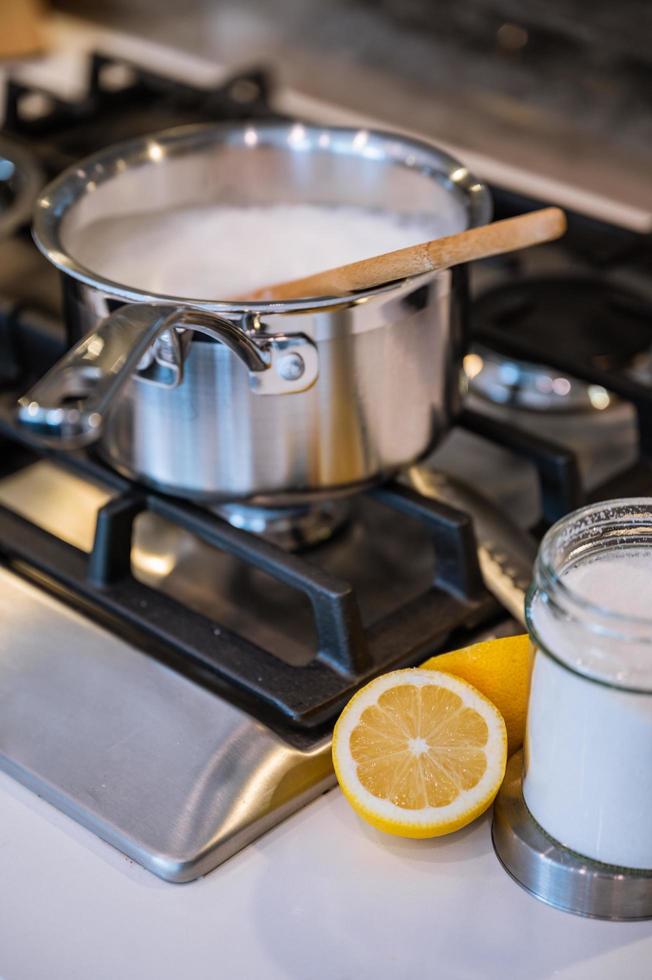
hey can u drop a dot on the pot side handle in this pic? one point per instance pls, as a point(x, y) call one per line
point(68, 406)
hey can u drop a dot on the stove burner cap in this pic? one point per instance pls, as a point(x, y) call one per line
point(291, 528)
point(509, 381)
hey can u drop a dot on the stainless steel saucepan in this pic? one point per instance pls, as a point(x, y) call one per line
point(261, 402)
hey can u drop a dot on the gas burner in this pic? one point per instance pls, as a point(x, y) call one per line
point(291, 528)
point(519, 384)
point(595, 324)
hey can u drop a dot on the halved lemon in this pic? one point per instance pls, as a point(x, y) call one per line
point(500, 669)
point(419, 753)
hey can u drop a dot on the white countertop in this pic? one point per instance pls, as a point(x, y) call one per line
point(321, 896)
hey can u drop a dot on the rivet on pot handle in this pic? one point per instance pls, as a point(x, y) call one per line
point(69, 405)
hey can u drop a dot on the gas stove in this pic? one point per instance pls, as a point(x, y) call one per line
point(169, 676)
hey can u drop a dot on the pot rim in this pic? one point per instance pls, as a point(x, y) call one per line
point(83, 177)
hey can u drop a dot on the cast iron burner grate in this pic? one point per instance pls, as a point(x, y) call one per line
point(122, 101)
point(588, 324)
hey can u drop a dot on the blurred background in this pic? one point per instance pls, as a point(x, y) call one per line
point(563, 87)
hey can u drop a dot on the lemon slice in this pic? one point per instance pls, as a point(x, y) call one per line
point(419, 753)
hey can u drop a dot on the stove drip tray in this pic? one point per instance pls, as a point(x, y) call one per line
point(174, 777)
point(553, 873)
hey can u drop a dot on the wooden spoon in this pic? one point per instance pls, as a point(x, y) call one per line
point(441, 253)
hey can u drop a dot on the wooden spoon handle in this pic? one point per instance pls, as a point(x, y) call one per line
point(441, 253)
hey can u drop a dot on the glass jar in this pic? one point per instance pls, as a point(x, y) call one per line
point(588, 746)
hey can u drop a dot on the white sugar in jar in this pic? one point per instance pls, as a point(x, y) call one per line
point(588, 747)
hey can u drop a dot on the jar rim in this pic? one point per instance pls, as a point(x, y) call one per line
point(550, 576)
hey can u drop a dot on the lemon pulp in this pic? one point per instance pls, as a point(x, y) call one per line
point(419, 753)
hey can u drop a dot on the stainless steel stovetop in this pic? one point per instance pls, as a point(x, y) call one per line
point(167, 755)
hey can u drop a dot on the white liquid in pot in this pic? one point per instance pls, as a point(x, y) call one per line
point(215, 252)
point(588, 745)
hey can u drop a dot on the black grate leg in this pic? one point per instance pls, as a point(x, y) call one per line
point(458, 571)
point(339, 627)
point(110, 559)
point(557, 469)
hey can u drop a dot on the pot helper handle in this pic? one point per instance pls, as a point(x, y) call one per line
point(68, 406)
